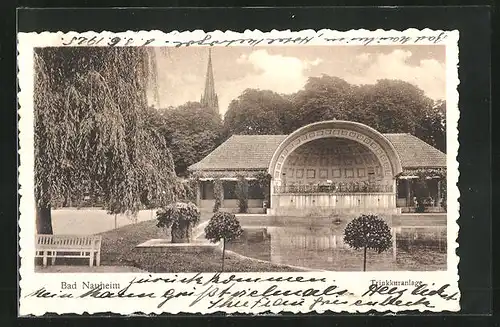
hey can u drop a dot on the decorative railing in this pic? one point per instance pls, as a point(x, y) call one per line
point(334, 188)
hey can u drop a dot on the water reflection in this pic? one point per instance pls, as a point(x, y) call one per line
point(414, 248)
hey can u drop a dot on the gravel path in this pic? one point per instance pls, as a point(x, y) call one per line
point(92, 221)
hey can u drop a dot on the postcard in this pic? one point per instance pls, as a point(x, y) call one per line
point(222, 172)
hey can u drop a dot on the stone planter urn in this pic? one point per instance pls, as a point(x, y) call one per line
point(180, 217)
point(181, 232)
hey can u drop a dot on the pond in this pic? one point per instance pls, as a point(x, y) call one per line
point(413, 248)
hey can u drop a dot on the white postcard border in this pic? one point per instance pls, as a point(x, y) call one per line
point(357, 283)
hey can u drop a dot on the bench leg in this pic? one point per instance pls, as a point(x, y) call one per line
point(53, 259)
point(98, 259)
point(45, 258)
point(91, 263)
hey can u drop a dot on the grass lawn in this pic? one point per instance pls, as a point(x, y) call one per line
point(118, 250)
point(422, 259)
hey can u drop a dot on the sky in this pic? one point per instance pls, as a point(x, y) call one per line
point(181, 71)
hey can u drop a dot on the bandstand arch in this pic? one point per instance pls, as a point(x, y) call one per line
point(363, 134)
point(286, 201)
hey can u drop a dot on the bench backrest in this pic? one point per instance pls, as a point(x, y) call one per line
point(68, 241)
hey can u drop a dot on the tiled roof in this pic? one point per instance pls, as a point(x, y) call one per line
point(241, 152)
point(415, 153)
point(254, 152)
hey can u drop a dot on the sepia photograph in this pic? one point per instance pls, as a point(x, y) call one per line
point(279, 158)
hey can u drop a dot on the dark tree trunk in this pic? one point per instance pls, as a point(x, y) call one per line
point(43, 220)
point(223, 253)
point(364, 260)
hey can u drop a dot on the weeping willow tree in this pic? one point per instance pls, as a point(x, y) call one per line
point(94, 132)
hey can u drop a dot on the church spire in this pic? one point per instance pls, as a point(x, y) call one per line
point(209, 97)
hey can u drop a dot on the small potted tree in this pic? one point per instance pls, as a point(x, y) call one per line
point(223, 226)
point(368, 232)
point(181, 218)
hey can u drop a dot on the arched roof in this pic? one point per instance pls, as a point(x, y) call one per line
point(371, 138)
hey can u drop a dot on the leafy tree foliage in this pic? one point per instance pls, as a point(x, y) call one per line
point(190, 188)
point(263, 179)
point(223, 226)
point(389, 106)
point(218, 194)
point(192, 131)
point(181, 218)
point(392, 106)
point(368, 232)
point(256, 112)
point(93, 133)
point(323, 98)
point(242, 194)
point(433, 126)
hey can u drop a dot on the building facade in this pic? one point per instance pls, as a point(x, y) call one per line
point(324, 167)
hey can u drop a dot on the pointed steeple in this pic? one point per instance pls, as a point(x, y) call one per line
point(209, 97)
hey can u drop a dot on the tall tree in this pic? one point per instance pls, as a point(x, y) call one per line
point(391, 106)
point(192, 131)
point(432, 127)
point(256, 112)
point(323, 98)
point(93, 133)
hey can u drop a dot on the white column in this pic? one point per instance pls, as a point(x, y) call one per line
point(395, 192)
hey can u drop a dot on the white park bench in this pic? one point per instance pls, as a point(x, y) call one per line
point(68, 246)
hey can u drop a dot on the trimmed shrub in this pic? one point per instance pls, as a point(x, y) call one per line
point(223, 226)
point(368, 232)
point(181, 218)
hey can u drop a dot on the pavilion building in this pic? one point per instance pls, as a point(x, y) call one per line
point(327, 166)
